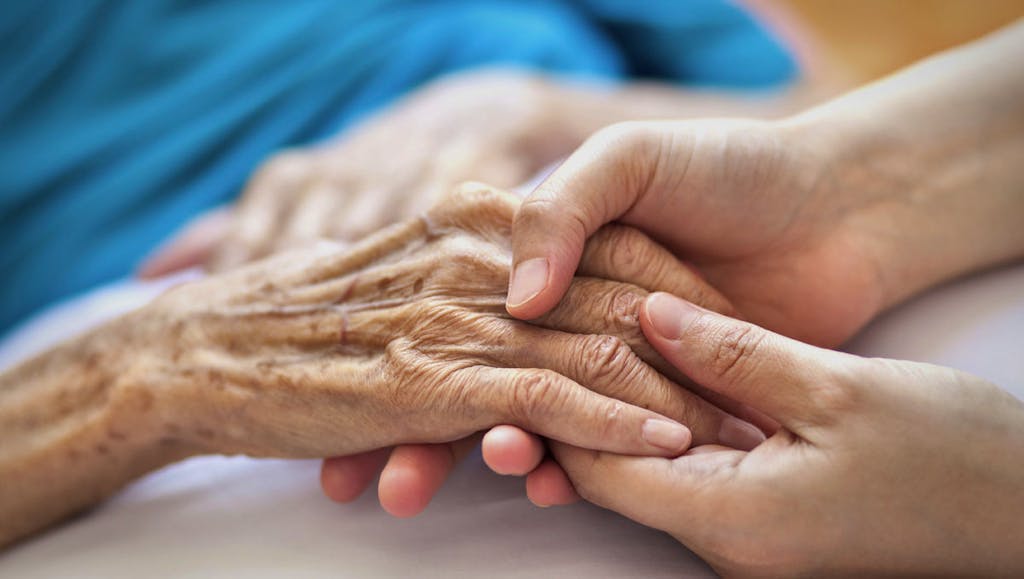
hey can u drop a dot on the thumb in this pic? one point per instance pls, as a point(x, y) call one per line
point(786, 379)
point(597, 184)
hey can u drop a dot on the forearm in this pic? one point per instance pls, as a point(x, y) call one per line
point(936, 155)
point(73, 431)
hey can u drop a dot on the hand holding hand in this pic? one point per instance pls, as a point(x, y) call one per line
point(880, 466)
point(403, 338)
point(754, 206)
point(413, 473)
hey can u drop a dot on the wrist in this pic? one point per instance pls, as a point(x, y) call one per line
point(926, 164)
point(152, 394)
point(918, 206)
point(76, 426)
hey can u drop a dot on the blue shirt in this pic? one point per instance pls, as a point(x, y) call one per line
point(120, 120)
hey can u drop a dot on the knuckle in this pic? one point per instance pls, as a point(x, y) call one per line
point(472, 193)
point(627, 141)
point(534, 394)
point(541, 211)
point(606, 359)
point(614, 370)
point(610, 422)
point(535, 209)
point(461, 251)
point(400, 367)
point(631, 148)
point(734, 355)
point(464, 265)
point(625, 136)
point(624, 308)
point(471, 200)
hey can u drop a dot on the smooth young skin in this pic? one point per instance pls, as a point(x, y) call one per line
point(809, 226)
point(880, 466)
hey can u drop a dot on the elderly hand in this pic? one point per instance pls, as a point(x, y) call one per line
point(404, 338)
point(880, 467)
point(753, 206)
point(496, 127)
point(413, 473)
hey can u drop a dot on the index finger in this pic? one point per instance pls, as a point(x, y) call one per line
point(597, 184)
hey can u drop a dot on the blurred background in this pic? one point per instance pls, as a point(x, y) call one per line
point(123, 121)
point(867, 39)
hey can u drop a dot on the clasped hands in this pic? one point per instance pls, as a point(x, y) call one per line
point(858, 449)
point(404, 338)
point(654, 406)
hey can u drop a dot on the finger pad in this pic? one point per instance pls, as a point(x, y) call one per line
point(412, 477)
point(548, 485)
point(338, 484)
point(509, 450)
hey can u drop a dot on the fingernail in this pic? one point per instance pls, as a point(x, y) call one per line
point(670, 315)
point(666, 435)
point(739, 434)
point(528, 279)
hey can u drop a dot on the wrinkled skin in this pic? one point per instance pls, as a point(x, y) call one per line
point(404, 338)
point(496, 126)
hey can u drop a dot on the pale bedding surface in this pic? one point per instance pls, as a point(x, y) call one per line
point(239, 517)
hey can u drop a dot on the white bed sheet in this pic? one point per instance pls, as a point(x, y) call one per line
point(238, 517)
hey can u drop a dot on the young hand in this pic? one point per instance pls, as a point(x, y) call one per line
point(880, 466)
